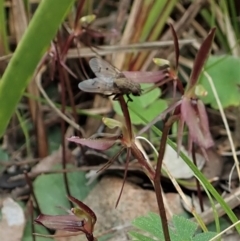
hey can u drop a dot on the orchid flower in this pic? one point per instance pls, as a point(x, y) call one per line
point(190, 110)
point(81, 220)
point(126, 139)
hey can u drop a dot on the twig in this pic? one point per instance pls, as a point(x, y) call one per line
point(129, 48)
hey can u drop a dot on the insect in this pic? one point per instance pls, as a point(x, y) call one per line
point(109, 81)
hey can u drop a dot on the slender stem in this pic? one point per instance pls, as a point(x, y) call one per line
point(155, 176)
point(157, 179)
point(134, 149)
point(78, 14)
point(32, 219)
point(126, 115)
point(29, 182)
point(63, 127)
point(197, 181)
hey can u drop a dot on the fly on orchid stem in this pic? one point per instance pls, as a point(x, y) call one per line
point(109, 81)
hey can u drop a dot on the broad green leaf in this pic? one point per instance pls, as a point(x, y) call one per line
point(181, 229)
point(204, 236)
point(205, 183)
point(150, 112)
point(148, 104)
point(140, 237)
point(225, 73)
point(184, 228)
point(151, 224)
point(51, 193)
point(147, 98)
point(30, 50)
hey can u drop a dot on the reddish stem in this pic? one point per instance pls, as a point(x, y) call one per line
point(29, 182)
point(126, 115)
point(134, 149)
point(63, 127)
point(157, 178)
point(158, 190)
point(79, 11)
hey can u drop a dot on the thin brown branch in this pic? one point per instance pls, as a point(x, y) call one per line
point(29, 182)
point(157, 178)
point(126, 115)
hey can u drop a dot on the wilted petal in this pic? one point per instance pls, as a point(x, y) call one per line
point(192, 120)
point(208, 141)
point(146, 76)
point(69, 223)
point(98, 144)
point(180, 134)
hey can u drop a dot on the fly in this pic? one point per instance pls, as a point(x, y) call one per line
point(109, 81)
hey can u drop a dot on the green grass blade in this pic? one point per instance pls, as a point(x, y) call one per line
point(203, 180)
point(3, 32)
point(207, 185)
point(234, 16)
point(152, 19)
point(29, 52)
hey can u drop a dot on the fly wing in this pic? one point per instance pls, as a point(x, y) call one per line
point(103, 69)
point(146, 77)
point(96, 85)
